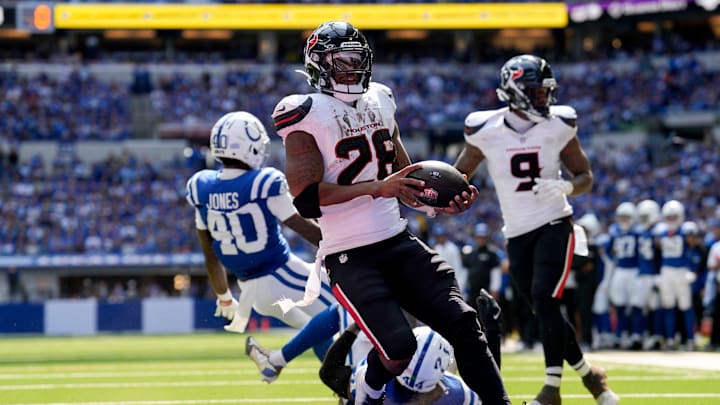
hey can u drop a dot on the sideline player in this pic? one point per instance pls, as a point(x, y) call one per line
point(346, 165)
point(624, 252)
point(238, 213)
point(524, 145)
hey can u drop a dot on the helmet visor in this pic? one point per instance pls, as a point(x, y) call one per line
point(348, 67)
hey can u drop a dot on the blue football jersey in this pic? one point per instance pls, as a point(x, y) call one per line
point(674, 250)
point(646, 251)
point(623, 247)
point(247, 237)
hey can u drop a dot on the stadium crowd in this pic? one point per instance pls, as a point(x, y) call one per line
point(608, 97)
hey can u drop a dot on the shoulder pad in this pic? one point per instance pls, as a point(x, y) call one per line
point(476, 120)
point(291, 110)
point(660, 228)
point(191, 188)
point(566, 113)
point(382, 89)
point(271, 182)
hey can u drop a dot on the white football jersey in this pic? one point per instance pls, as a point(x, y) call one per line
point(515, 159)
point(356, 145)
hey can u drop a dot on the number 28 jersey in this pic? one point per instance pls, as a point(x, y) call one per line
point(356, 146)
point(514, 160)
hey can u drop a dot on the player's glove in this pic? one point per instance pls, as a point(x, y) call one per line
point(549, 189)
point(227, 306)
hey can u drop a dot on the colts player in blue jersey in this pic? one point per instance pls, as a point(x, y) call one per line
point(238, 213)
point(676, 276)
point(624, 252)
point(644, 301)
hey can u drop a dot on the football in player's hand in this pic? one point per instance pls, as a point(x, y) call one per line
point(442, 183)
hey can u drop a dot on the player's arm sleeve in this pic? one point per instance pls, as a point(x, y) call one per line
point(282, 206)
point(191, 195)
point(333, 372)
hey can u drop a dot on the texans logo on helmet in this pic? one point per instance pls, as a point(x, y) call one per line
point(312, 41)
point(517, 73)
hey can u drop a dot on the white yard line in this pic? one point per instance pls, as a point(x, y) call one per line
point(194, 401)
point(227, 383)
point(667, 361)
point(159, 373)
point(315, 400)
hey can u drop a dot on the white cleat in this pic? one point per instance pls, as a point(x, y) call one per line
point(261, 357)
point(608, 398)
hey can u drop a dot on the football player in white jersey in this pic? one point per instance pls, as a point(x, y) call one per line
point(238, 212)
point(526, 145)
point(346, 166)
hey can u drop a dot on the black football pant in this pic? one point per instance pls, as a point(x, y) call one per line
point(376, 282)
point(540, 263)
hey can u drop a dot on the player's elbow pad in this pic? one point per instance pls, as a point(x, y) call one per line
point(308, 202)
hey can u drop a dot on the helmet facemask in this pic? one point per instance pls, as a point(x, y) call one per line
point(347, 72)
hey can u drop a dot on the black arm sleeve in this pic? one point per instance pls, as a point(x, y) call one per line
point(333, 372)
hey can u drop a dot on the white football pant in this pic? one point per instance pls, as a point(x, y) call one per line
point(675, 288)
point(287, 281)
point(622, 285)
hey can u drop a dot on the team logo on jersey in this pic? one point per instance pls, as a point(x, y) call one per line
point(343, 258)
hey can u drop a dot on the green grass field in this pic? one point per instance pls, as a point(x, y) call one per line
point(213, 369)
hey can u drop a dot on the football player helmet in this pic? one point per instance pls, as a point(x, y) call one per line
point(241, 136)
point(690, 228)
point(338, 60)
point(648, 212)
point(591, 223)
point(432, 357)
point(625, 215)
point(527, 83)
point(673, 213)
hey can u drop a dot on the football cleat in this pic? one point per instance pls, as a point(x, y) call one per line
point(548, 395)
point(596, 382)
point(261, 357)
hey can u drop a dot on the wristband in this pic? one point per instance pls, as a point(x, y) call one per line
point(226, 296)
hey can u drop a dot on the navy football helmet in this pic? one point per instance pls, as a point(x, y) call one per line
point(338, 60)
point(527, 84)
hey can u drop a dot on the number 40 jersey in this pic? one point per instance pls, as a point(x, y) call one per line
point(515, 159)
point(356, 146)
point(243, 210)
